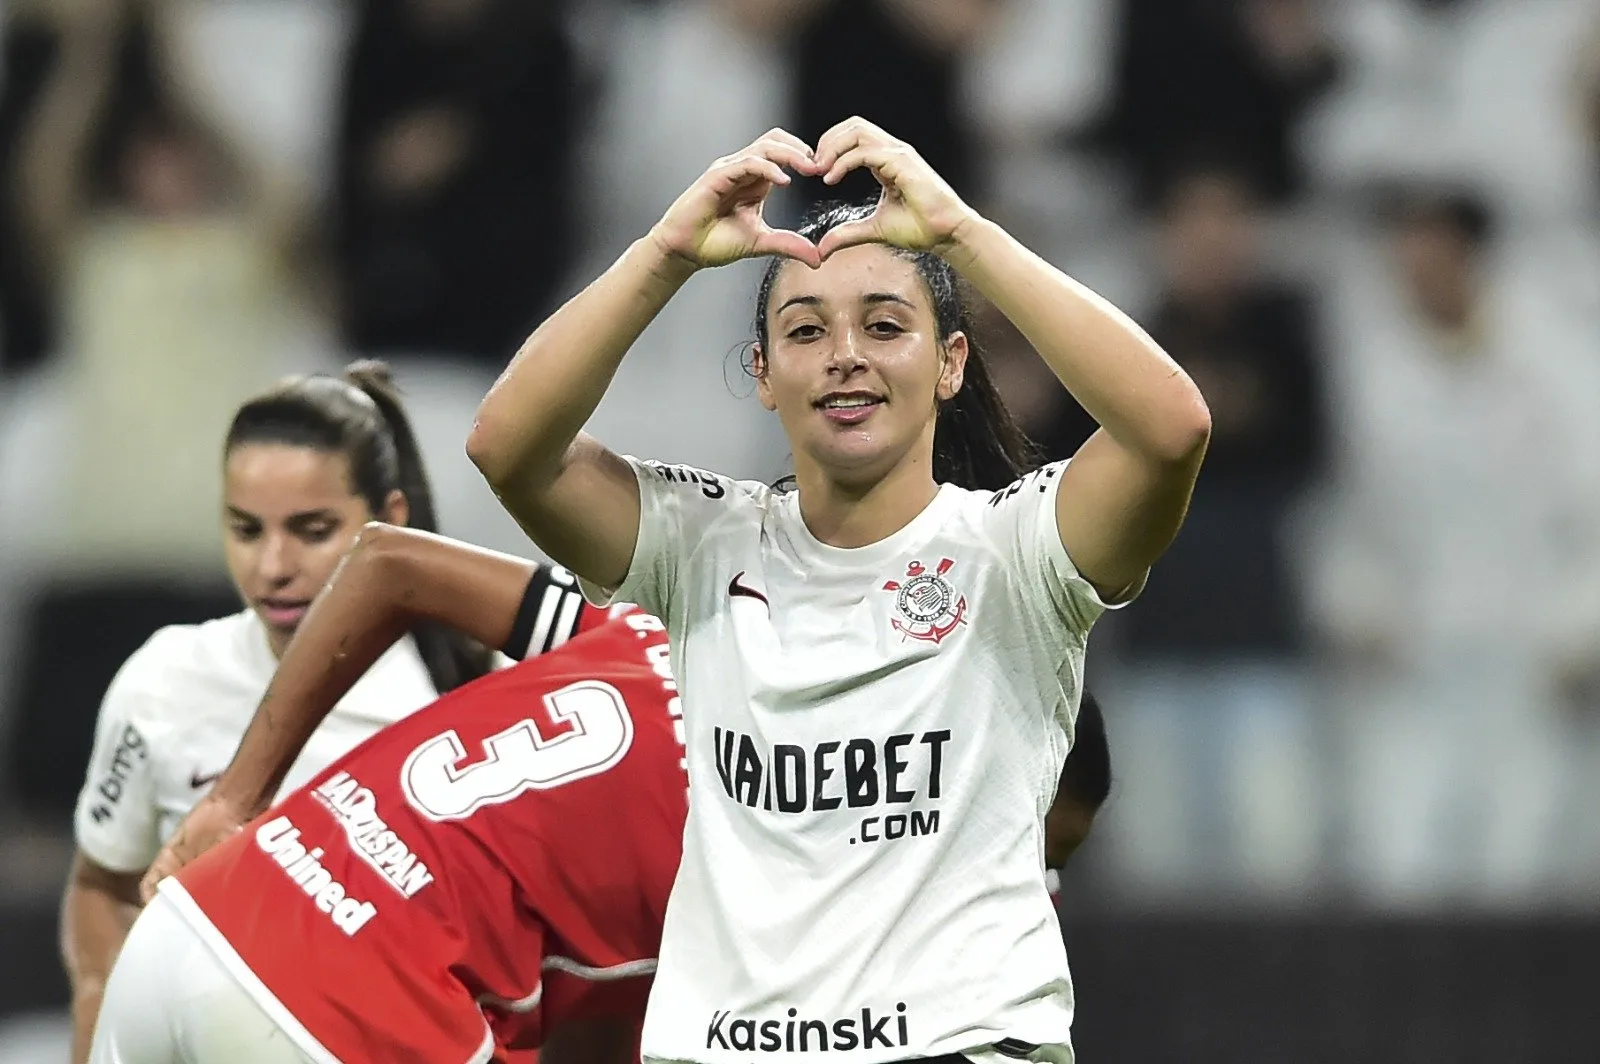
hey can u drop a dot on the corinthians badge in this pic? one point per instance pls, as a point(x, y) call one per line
point(929, 608)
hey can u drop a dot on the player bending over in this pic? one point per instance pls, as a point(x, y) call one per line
point(486, 872)
point(528, 921)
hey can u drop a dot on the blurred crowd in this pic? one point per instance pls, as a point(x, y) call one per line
point(1367, 674)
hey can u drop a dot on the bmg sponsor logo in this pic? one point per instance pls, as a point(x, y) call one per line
point(865, 1029)
point(130, 750)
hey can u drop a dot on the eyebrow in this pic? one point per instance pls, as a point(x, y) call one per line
point(870, 299)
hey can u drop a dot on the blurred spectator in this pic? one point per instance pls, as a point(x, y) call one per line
point(165, 258)
point(455, 172)
point(28, 47)
point(1219, 727)
point(727, 64)
point(1234, 73)
point(1481, 89)
point(896, 63)
point(1457, 555)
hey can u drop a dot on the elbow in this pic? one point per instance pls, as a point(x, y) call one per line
point(488, 450)
point(1186, 431)
point(381, 547)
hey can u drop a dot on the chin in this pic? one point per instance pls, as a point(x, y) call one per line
point(858, 465)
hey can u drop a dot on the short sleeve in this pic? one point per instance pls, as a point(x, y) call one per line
point(116, 821)
point(1021, 521)
point(676, 505)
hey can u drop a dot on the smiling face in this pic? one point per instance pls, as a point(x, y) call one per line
point(289, 515)
point(854, 366)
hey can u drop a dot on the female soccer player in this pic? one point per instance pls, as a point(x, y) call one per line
point(880, 668)
point(304, 466)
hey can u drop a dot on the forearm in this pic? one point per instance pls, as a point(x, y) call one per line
point(391, 579)
point(1125, 381)
point(94, 925)
point(535, 410)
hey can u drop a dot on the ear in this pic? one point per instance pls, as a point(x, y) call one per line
point(954, 369)
point(758, 366)
point(396, 510)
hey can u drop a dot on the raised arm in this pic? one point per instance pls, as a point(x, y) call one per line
point(391, 579)
point(1123, 497)
point(574, 498)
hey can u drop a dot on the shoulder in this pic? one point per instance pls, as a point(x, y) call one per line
point(692, 481)
point(180, 654)
point(1040, 482)
point(998, 518)
point(698, 500)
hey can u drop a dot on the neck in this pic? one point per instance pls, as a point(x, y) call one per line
point(846, 514)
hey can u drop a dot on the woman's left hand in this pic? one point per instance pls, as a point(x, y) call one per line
point(918, 210)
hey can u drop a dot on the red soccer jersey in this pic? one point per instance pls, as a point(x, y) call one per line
point(475, 874)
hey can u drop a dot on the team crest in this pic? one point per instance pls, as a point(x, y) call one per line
point(929, 608)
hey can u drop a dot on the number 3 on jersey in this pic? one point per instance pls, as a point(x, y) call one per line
point(588, 730)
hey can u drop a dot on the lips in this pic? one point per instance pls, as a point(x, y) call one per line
point(849, 408)
point(282, 613)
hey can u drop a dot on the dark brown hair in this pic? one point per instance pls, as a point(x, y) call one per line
point(360, 416)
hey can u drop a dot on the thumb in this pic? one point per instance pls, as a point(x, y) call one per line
point(848, 235)
point(163, 866)
point(788, 243)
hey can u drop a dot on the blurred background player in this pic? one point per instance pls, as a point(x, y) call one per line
point(304, 466)
point(527, 832)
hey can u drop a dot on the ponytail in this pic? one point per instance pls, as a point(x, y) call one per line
point(361, 417)
point(452, 658)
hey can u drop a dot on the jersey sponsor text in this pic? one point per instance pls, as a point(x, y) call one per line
point(851, 773)
point(863, 1030)
point(279, 839)
point(356, 810)
point(130, 748)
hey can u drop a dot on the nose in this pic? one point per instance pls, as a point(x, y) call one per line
point(845, 359)
point(278, 562)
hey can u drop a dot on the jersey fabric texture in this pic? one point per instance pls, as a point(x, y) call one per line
point(874, 736)
point(173, 716)
point(472, 876)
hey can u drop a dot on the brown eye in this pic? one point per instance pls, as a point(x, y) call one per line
point(885, 329)
point(805, 332)
point(319, 532)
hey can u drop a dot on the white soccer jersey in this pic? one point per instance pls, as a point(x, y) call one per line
point(174, 714)
point(874, 737)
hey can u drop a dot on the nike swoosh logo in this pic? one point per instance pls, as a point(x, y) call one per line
point(197, 781)
point(737, 589)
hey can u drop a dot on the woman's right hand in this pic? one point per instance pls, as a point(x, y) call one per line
point(718, 219)
point(213, 819)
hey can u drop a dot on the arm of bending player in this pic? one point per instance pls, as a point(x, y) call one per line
point(98, 909)
point(392, 578)
point(577, 500)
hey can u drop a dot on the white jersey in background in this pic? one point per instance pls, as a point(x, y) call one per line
point(875, 736)
point(174, 714)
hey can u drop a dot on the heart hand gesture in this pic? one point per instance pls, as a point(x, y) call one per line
point(718, 219)
point(918, 210)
